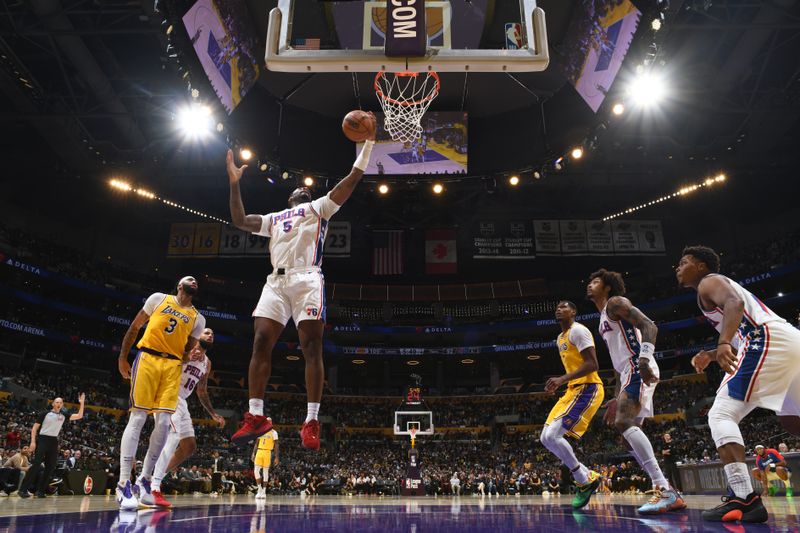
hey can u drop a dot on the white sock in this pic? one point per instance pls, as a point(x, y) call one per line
point(739, 479)
point(257, 406)
point(158, 438)
point(129, 444)
point(553, 439)
point(313, 411)
point(164, 459)
point(644, 454)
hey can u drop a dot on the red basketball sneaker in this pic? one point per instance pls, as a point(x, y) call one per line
point(159, 501)
point(253, 426)
point(309, 434)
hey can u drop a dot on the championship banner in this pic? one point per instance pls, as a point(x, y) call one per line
point(503, 240)
point(337, 240)
point(595, 237)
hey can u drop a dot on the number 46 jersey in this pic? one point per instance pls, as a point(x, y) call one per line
point(296, 235)
point(192, 372)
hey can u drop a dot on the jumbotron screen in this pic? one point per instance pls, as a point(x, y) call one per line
point(442, 147)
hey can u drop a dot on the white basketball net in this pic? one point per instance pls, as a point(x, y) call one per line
point(404, 97)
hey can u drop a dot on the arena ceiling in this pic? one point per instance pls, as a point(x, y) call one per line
point(89, 89)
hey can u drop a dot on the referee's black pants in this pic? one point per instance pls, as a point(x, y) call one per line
point(47, 452)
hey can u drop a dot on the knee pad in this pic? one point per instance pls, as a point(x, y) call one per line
point(137, 419)
point(162, 419)
point(723, 420)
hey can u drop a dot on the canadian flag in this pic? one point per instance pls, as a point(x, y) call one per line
point(440, 251)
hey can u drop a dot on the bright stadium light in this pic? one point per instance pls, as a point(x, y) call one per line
point(437, 188)
point(246, 154)
point(383, 188)
point(196, 121)
point(577, 152)
point(647, 89)
point(513, 181)
point(618, 109)
point(308, 181)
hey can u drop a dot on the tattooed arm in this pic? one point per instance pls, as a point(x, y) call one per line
point(619, 307)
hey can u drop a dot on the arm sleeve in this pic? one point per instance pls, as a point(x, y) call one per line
point(152, 301)
point(581, 338)
point(199, 326)
point(274, 435)
point(266, 226)
point(325, 207)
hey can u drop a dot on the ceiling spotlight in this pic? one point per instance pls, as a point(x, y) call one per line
point(263, 167)
point(285, 175)
point(534, 357)
point(467, 361)
point(292, 357)
point(656, 24)
point(246, 154)
point(308, 181)
point(412, 362)
point(647, 89)
point(780, 295)
point(195, 93)
point(121, 185)
point(537, 175)
point(220, 127)
point(358, 361)
point(437, 188)
point(618, 109)
point(513, 181)
point(195, 121)
point(577, 152)
point(383, 188)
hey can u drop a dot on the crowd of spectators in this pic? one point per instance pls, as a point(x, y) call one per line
point(485, 457)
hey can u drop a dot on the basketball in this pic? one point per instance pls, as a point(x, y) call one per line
point(358, 125)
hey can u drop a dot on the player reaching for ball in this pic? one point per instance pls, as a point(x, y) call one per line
point(295, 289)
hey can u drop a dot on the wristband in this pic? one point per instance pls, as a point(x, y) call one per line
point(363, 158)
point(721, 343)
point(647, 350)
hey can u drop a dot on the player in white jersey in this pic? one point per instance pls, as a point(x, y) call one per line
point(295, 290)
point(760, 352)
point(630, 337)
point(181, 442)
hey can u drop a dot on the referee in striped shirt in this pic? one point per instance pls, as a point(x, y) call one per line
point(44, 442)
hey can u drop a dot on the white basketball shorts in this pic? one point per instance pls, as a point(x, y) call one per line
point(181, 420)
point(298, 294)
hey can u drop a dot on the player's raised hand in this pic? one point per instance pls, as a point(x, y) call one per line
point(375, 126)
point(234, 172)
point(701, 360)
point(611, 412)
point(726, 358)
point(82, 397)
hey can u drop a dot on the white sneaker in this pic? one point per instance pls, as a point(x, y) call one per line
point(125, 498)
point(261, 494)
point(145, 492)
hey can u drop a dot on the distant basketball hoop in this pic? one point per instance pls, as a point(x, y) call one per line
point(404, 98)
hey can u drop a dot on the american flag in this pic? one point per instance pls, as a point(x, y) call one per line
point(387, 253)
point(306, 44)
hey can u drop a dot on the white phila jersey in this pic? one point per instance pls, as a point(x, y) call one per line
point(755, 312)
point(191, 373)
point(623, 340)
point(296, 235)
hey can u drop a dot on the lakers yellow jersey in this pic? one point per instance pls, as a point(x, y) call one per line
point(170, 326)
point(266, 442)
point(571, 356)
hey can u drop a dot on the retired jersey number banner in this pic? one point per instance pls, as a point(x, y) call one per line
point(210, 239)
point(596, 237)
point(337, 240)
